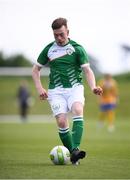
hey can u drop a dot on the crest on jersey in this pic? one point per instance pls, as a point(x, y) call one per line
point(69, 51)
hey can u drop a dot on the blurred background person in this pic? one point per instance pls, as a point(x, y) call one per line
point(23, 99)
point(108, 101)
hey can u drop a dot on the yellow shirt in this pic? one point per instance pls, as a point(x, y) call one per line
point(109, 91)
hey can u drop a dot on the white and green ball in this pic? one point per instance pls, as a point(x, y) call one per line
point(60, 155)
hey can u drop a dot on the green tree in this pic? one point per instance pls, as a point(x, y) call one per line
point(17, 60)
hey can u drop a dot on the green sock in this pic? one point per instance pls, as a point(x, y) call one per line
point(66, 138)
point(77, 131)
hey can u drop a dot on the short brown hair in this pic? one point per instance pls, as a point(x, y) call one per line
point(58, 23)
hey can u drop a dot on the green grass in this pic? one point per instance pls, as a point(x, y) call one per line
point(25, 147)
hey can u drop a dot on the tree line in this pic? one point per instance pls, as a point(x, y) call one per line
point(16, 60)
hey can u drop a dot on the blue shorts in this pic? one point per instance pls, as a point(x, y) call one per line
point(106, 107)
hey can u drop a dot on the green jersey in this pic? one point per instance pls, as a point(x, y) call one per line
point(65, 63)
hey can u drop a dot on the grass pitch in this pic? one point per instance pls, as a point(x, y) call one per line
point(25, 147)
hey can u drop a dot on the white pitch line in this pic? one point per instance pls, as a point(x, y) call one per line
point(30, 119)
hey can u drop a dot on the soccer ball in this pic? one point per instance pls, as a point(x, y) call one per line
point(60, 155)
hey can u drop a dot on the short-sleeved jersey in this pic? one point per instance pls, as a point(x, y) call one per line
point(65, 63)
point(110, 91)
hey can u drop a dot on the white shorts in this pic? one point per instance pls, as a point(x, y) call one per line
point(62, 99)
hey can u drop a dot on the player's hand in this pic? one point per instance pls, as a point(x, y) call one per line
point(98, 90)
point(43, 95)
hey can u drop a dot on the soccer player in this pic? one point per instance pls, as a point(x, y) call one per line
point(108, 101)
point(66, 59)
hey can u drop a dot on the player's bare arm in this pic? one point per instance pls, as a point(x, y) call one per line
point(36, 77)
point(91, 80)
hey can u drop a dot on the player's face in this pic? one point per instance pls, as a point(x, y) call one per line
point(61, 35)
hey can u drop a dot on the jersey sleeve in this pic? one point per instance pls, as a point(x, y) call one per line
point(42, 58)
point(82, 55)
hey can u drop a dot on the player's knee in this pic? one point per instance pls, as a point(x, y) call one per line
point(61, 121)
point(77, 109)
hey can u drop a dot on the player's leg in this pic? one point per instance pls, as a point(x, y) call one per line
point(59, 108)
point(23, 111)
point(78, 123)
point(76, 104)
point(101, 119)
point(111, 118)
point(64, 131)
point(77, 131)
